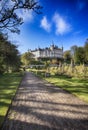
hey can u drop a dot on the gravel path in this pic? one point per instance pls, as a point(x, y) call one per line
point(39, 105)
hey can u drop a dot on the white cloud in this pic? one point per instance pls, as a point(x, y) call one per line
point(26, 15)
point(62, 26)
point(23, 13)
point(45, 24)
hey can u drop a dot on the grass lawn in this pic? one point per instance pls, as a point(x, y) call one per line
point(78, 87)
point(8, 87)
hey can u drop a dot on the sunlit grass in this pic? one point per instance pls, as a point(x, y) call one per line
point(78, 87)
point(8, 86)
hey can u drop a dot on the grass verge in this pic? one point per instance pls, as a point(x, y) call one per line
point(78, 87)
point(8, 86)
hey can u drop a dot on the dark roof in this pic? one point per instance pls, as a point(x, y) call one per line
point(47, 48)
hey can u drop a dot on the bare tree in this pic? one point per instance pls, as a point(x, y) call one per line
point(8, 13)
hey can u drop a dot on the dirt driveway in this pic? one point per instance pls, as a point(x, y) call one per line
point(39, 105)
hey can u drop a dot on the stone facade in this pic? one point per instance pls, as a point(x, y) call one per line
point(51, 52)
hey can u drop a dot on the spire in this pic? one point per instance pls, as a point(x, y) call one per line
point(52, 43)
point(62, 48)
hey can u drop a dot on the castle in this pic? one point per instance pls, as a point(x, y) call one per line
point(49, 52)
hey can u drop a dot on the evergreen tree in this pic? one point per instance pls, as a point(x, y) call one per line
point(9, 55)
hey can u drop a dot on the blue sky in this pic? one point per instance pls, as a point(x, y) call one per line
point(63, 22)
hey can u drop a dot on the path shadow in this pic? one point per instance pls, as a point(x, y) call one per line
point(48, 122)
point(30, 111)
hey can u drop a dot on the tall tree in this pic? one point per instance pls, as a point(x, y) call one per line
point(80, 55)
point(27, 58)
point(9, 55)
point(86, 51)
point(8, 13)
point(67, 56)
point(73, 53)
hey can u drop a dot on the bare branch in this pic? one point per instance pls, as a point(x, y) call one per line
point(8, 16)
